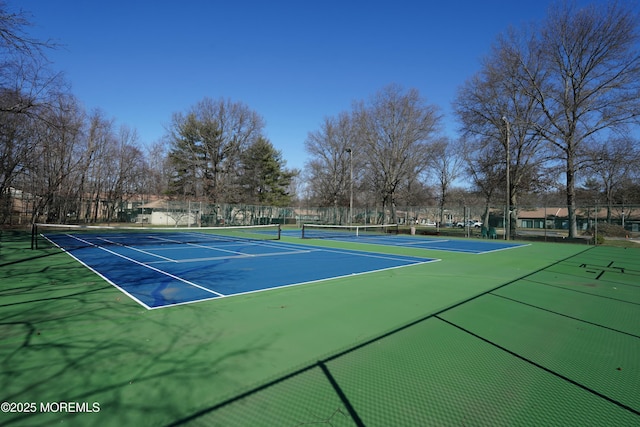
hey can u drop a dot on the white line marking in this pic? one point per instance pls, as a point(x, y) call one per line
point(98, 273)
point(186, 302)
point(197, 245)
point(135, 249)
point(504, 249)
point(234, 257)
point(148, 266)
point(422, 243)
point(300, 283)
point(427, 244)
point(372, 255)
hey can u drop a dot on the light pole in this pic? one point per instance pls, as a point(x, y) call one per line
point(507, 218)
point(348, 150)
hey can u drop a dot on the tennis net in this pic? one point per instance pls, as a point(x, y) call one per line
point(76, 236)
point(322, 231)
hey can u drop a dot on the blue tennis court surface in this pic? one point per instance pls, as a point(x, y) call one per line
point(442, 244)
point(168, 274)
point(451, 245)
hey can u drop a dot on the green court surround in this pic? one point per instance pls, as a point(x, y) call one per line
point(530, 336)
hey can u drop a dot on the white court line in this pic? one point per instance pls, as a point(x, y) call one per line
point(314, 249)
point(505, 249)
point(374, 255)
point(301, 283)
point(423, 242)
point(198, 245)
point(97, 272)
point(222, 243)
point(311, 248)
point(136, 249)
point(235, 257)
point(148, 266)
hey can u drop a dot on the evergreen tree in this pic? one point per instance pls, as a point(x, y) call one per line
point(263, 179)
point(206, 145)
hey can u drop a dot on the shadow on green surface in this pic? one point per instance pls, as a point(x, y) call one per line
point(65, 335)
point(68, 336)
point(376, 373)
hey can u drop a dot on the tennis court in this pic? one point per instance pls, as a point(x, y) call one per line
point(544, 334)
point(387, 235)
point(167, 267)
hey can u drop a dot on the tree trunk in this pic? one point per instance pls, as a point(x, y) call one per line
point(571, 197)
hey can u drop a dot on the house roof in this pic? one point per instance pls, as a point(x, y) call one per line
point(563, 212)
point(156, 204)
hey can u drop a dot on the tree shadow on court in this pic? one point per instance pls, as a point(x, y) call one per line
point(15, 248)
point(68, 336)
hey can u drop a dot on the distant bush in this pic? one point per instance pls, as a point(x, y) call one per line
point(608, 230)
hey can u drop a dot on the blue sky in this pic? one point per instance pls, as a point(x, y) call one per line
point(293, 62)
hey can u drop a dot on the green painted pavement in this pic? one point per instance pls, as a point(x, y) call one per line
point(66, 335)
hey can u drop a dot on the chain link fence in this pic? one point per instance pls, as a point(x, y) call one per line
point(553, 220)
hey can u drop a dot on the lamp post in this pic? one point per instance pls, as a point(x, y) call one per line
point(507, 218)
point(348, 150)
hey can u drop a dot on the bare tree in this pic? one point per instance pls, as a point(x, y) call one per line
point(94, 168)
point(13, 36)
point(157, 176)
point(397, 128)
point(125, 171)
point(486, 173)
point(499, 123)
point(27, 91)
point(587, 82)
point(328, 171)
point(612, 163)
point(15, 145)
point(445, 166)
point(23, 68)
point(56, 161)
point(16, 150)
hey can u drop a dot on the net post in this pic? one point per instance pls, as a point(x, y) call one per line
point(279, 231)
point(34, 233)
